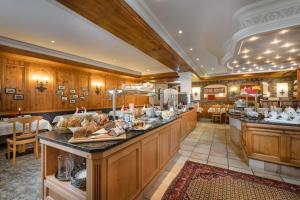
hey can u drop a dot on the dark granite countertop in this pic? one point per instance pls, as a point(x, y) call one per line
point(94, 147)
point(261, 121)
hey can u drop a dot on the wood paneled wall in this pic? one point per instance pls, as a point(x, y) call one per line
point(18, 72)
point(298, 84)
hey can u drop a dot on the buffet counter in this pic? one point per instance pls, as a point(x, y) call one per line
point(266, 141)
point(119, 169)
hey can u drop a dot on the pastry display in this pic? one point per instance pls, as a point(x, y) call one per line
point(109, 125)
point(79, 132)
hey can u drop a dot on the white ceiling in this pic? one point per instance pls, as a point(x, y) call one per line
point(206, 26)
point(39, 22)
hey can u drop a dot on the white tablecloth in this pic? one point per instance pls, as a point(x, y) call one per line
point(6, 128)
point(211, 110)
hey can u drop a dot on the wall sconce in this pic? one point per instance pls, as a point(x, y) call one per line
point(98, 87)
point(41, 83)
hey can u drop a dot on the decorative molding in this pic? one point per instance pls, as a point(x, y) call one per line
point(145, 12)
point(50, 52)
point(260, 17)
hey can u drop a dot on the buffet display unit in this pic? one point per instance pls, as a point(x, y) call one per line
point(267, 143)
point(115, 169)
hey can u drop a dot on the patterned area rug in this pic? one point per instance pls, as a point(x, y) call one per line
point(199, 181)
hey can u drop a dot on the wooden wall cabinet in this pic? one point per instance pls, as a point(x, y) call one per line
point(273, 143)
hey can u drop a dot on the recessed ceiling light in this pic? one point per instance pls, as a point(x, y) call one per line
point(243, 68)
point(237, 66)
point(245, 51)
point(197, 59)
point(180, 32)
point(292, 68)
point(289, 59)
point(250, 70)
point(256, 67)
point(277, 57)
point(293, 50)
point(281, 67)
point(286, 45)
point(248, 62)
point(259, 58)
point(268, 51)
point(261, 69)
point(191, 49)
point(253, 38)
point(245, 56)
point(268, 61)
point(275, 41)
point(269, 69)
point(239, 71)
point(283, 31)
point(148, 70)
point(52, 41)
point(274, 66)
point(235, 62)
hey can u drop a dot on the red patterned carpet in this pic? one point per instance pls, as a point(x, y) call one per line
point(199, 181)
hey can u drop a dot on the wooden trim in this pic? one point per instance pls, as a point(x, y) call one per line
point(122, 21)
point(298, 84)
point(248, 76)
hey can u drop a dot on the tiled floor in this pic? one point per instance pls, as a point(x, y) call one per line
point(208, 144)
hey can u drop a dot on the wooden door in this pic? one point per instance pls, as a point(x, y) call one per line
point(124, 173)
point(150, 158)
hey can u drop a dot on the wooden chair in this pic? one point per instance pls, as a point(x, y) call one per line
point(216, 115)
point(26, 136)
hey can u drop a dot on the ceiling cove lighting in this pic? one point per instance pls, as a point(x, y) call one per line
point(284, 31)
point(268, 51)
point(286, 45)
point(253, 38)
point(293, 50)
point(275, 41)
point(245, 51)
point(277, 57)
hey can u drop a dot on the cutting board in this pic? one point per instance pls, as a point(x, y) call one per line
point(101, 138)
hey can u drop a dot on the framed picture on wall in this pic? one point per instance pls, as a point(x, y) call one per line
point(10, 90)
point(19, 97)
point(72, 91)
point(75, 96)
point(84, 88)
point(61, 87)
point(64, 98)
point(86, 93)
point(82, 98)
point(72, 101)
point(60, 92)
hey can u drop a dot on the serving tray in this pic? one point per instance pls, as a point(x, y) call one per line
point(100, 138)
point(281, 121)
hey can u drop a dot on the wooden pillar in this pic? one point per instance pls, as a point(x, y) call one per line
point(298, 84)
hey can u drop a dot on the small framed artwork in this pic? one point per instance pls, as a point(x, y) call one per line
point(60, 92)
point(72, 101)
point(61, 87)
point(84, 88)
point(72, 91)
point(86, 93)
point(75, 96)
point(10, 90)
point(82, 98)
point(64, 98)
point(19, 97)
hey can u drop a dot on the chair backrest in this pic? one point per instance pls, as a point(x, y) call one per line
point(27, 125)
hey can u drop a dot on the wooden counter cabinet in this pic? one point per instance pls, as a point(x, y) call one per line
point(121, 172)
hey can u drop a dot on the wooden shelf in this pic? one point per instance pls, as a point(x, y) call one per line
point(64, 189)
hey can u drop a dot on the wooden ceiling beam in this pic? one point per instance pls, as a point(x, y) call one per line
point(117, 17)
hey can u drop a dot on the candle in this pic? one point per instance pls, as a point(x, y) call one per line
point(19, 109)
